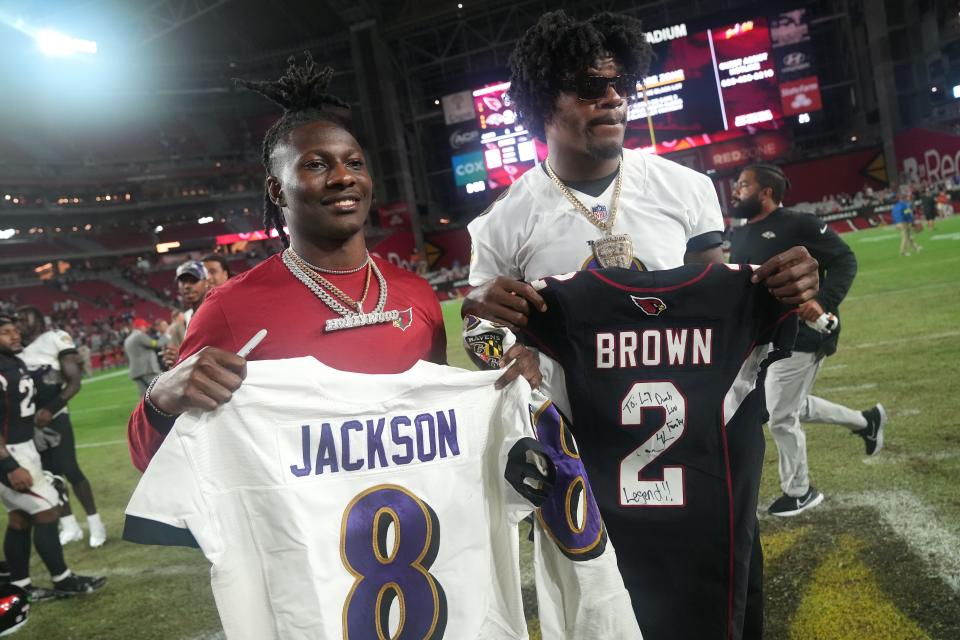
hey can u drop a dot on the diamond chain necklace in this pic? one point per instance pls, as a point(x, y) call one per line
point(348, 318)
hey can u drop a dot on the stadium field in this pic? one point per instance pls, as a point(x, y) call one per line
point(880, 560)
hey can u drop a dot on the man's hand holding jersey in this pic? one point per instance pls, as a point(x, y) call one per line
point(791, 276)
point(204, 381)
point(503, 301)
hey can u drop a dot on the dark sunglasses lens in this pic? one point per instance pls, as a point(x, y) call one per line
point(626, 85)
point(591, 87)
point(595, 87)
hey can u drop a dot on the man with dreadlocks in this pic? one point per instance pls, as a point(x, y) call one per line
point(594, 204)
point(324, 295)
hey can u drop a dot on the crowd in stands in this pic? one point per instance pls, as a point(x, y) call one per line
point(868, 197)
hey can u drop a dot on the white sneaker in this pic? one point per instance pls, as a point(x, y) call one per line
point(70, 535)
point(98, 535)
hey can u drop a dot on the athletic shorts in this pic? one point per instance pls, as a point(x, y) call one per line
point(39, 497)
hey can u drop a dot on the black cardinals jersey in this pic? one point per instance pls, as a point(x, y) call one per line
point(664, 376)
point(17, 400)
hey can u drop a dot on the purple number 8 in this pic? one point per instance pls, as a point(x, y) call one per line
point(399, 572)
point(580, 536)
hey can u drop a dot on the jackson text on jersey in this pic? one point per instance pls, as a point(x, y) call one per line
point(654, 348)
point(367, 443)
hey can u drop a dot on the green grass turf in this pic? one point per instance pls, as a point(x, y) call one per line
point(845, 570)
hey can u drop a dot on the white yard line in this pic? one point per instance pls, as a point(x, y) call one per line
point(926, 288)
point(918, 525)
point(900, 458)
point(106, 376)
point(908, 338)
point(108, 443)
point(103, 407)
point(852, 387)
point(914, 521)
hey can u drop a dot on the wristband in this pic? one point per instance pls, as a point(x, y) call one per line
point(153, 407)
point(8, 465)
point(55, 405)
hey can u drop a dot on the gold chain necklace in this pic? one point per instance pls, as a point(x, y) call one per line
point(612, 250)
point(605, 226)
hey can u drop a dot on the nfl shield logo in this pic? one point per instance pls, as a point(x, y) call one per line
point(600, 212)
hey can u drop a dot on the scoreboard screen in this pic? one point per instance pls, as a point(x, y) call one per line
point(705, 85)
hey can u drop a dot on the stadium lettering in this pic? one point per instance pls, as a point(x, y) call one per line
point(654, 348)
point(668, 33)
point(378, 443)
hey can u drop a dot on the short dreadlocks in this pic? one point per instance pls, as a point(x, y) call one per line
point(558, 47)
point(302, 92)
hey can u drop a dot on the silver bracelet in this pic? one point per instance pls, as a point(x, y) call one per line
point(146, 398)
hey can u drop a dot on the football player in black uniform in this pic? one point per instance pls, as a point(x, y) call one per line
point(769, 229)
point(29, 496)
point(52, 359)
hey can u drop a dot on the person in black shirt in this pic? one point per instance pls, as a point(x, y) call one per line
point(769, 229)
point(28, 495)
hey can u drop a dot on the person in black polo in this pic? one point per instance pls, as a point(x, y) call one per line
point(769, 230)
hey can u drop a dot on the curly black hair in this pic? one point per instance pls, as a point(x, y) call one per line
point(302, 92)
point(558, 47)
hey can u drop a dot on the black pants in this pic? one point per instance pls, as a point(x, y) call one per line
point(753, 616)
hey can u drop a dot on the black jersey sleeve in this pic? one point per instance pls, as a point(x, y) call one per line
point(546, 330)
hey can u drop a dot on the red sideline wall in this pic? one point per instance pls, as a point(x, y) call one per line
point(811, 180)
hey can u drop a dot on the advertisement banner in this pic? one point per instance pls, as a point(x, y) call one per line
point(924, 155)
point(801, 96)
point(765, 147)
point(468, 168)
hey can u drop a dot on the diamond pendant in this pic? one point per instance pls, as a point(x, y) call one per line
point(362, 320)
point(614, 250)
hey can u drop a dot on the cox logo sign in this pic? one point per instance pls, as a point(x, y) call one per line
point(468, 168)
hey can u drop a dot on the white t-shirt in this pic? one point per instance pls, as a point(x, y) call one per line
point(43, 354)
point(533, 231)
point(295, 491)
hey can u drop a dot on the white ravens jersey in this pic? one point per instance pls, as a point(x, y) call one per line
point(533, 231)
point(343, 505)
point(42, 357)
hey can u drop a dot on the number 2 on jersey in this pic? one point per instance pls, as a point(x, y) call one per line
point(657, 405)
point(396, 572)
point(27, 405)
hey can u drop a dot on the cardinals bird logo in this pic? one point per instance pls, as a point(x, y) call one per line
point(650, 306)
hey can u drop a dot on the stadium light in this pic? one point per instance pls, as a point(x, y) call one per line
point(803, 118)
point(54, 43)
point(205, 220)
point(6, 234)
point(158, 228)
point(956, 91)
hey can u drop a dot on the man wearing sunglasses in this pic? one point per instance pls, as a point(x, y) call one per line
point(594, 204)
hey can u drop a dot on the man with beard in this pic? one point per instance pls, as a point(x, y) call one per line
point(768, 230)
